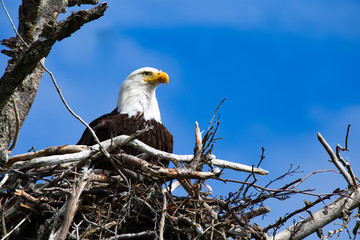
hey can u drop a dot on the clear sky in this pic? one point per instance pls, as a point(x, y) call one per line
point(288, 69)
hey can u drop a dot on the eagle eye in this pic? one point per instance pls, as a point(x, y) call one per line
point(146, 74)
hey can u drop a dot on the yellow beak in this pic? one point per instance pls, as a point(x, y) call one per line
point(158, 77)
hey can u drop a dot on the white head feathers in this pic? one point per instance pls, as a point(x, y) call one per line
point(137, 93)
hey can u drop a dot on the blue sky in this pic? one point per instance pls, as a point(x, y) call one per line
point(288, 70)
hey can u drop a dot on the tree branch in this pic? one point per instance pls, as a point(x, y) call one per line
point(38, 31)
point(118, 142)
point(322, 217)
point(335, 160)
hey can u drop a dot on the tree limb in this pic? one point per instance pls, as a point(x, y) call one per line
point(335, 160)
point(37, 32)
point(118, 141)
point(317, 220)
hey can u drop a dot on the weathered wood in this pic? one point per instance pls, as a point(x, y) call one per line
point(38, 31)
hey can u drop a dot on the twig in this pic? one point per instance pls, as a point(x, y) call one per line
point(13, 25)
point(99, 226)
point(346, 164)
point(257, 212)
point(160, 172)
point(3, 181)
point(262, 157)
point(133, 235)
point(72, 206)
point(335, 160)
point(16, 227)
point(209, 137)
point(346, 138)
point(163, 213)
point(187, 185)
point(32, 199)
point(308, 205)
point(103, 150)
point(313, 173)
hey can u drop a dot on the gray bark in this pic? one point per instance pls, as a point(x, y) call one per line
point(321, 218)
point(39, 28)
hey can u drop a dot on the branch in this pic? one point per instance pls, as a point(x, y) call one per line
point(41, 48)
point(15, 228)
point(335, 160)
point(322, 217)
point(160, 172)
point(72, 206)
point(118, 142)
point(38, 32)
point(139, 235)
point(195, 162)
point(163, 213)
point(57, 150)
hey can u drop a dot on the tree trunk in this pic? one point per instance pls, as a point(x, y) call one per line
point(38, 31)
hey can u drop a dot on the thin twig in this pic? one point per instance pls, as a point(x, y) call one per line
point(16, 227)
point(103, 150)
point(13, 25)
point(346, 138)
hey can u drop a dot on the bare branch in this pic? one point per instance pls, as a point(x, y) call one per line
point(16, 227)
point(118, 141)
point(38, 31)
point(163, 213)
point(335, 160)
point(322, 217)
point(72, 206)
point(195, 162)
point(160, 172)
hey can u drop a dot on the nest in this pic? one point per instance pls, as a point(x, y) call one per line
point(101, 204)
point(80, 192)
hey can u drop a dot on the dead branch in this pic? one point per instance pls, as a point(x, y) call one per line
point(195, 162)
point(38, 32)
point(72, 206)
point(57, 150)
point(335, 160)
point(118, 142)
point(319, 219)
point(160, 172)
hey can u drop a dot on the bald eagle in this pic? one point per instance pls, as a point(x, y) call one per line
point(137, 108)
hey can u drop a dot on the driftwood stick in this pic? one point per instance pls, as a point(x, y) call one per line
point(72, 206)
point(118, 141)
point(160, 172)
point(50, 151)
point(163, 213)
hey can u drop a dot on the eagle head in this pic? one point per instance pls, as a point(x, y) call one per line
point(137, 93)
